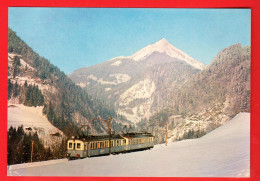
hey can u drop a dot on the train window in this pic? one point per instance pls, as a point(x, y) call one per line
point(70, 145)
point(78, 145)
point(117, 143)
point(101, 144)
point(124, 142)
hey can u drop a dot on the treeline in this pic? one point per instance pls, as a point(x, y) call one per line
point(29, 95)
point(191, 134)
point(19, 147)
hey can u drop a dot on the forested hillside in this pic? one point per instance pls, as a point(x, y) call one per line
point(34, 81)
point(224, 83)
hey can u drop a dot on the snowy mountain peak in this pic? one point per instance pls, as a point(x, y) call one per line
point(162, 41)
point(163, 46)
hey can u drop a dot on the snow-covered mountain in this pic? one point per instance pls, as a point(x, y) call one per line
point(138, 84)
point(162, 46)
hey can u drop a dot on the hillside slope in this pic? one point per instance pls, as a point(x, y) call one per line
point(214, 95)
point(65, 104)
point(33, 120)
point(225, 152)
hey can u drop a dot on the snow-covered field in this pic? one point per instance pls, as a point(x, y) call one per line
point(33, 120)
point(224, 152)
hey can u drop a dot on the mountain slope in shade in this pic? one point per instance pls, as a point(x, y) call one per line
point(138, 84)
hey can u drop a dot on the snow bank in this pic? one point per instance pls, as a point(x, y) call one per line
point(35, 164)
point(224, 152)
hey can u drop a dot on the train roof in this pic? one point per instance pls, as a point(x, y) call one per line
point(137, 135)
point(113, 136)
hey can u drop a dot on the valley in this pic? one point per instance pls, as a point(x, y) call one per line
point(157, 85)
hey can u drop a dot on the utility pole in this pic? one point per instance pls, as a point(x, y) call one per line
point(109, 130)
point(32, 151)
point(199, 130)
point(166, 133)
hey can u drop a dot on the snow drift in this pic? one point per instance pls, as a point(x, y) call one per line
point(224, 152)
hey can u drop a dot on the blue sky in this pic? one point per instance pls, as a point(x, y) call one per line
point(72, 38)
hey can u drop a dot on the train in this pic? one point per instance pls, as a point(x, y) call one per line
point(97, 145)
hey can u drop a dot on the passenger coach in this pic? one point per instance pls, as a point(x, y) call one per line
point(99, 145)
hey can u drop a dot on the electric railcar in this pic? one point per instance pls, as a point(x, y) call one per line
point(89, 146)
